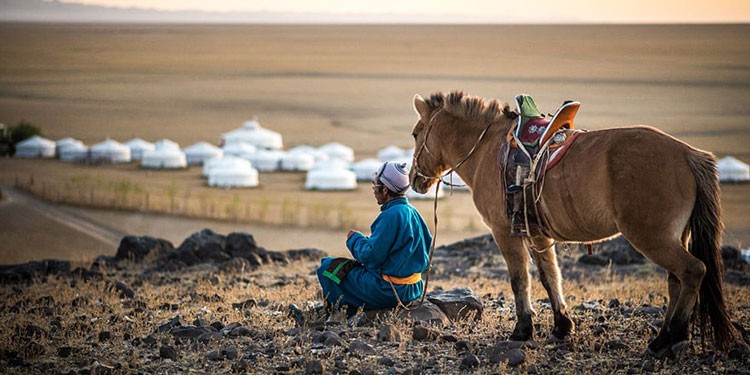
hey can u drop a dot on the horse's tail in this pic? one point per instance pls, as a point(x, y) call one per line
point(706, 228)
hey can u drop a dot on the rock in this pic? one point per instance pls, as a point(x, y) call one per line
point(86, 275)
point(360, 348)
point(306, 254)
point(136, 248)
point(27, 271)
point(168, 352)
point(428, 313)
point(238, 265)
point(230, 353)
point(329, 339)
point(214, 356)
point(105, 336)
point(245, 304)
point(315, 366)
point(240, 331)
point(217, 325)
point(64, 351)
point(462, 346)
point(242, 245)
point(149, 340)
point(457, 303)
point(470, 361)
point(648, 310)
point(386, 361)
point(512, 357)
point(175, 322)
point(189, 332)
point(389, 333)
point(421, 333)
point(614, 303)
point(124, 290)
point(33, 331)
point(229, 327)
point(594, 259)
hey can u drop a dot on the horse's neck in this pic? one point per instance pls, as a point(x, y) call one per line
point(482, 164)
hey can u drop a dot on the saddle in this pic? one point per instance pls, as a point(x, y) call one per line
point(532, 146)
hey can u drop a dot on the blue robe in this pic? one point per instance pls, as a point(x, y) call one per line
point(399, 246)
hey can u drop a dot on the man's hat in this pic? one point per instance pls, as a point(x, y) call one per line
point(393, 175)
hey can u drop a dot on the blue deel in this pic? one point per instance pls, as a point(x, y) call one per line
point(398, 245)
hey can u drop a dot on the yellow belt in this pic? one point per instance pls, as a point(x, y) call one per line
point(408, 280)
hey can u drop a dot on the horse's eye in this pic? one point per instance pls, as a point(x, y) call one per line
point(414, 135)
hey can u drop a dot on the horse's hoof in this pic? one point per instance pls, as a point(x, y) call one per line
point(679, 348)
point(660, 354)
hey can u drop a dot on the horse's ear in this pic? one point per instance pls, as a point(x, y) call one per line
point(421, 107)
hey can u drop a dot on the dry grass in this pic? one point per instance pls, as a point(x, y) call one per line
point(274, 345)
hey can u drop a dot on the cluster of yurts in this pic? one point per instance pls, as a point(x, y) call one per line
point(244, 153)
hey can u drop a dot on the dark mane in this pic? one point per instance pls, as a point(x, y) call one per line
point(470, 107)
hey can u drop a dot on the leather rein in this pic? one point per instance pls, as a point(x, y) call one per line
point(435, 202)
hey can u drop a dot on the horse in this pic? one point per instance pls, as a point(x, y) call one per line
point(660, 193)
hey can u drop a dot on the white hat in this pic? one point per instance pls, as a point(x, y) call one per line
point(393, 175)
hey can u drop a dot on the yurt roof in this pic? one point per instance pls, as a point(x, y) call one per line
point(390, 153)
point(66, 141)
point(732, 163)
point(239, 148)
point(137, 143)
point(36, 141)
point(302, 149)
point(166, 144)
point(232, 165)
point(108, 144)
point(201, 147)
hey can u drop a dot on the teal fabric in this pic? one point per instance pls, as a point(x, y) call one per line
point(398, 245)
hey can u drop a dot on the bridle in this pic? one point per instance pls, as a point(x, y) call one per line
point(429, 126)
point(424, 147)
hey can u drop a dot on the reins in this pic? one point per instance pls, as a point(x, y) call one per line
point(435, 204)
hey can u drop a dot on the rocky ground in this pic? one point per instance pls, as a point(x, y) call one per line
point(218, 304)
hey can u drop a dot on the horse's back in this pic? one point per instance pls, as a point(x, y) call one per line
point(635, 179)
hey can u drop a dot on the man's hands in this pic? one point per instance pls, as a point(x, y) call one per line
point(350, 233)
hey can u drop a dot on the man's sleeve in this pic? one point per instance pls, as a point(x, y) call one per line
point(372, 251)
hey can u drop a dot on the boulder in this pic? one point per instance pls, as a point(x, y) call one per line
point(241, 245)
point(457, 303)
point(137, 248)
point(27, 271)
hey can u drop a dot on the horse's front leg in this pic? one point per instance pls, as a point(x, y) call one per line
point(543, 253)
point(517, 259)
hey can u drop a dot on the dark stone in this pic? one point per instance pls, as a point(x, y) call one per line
point(167, 351)
point(240, 331)
point(389, 333)
point(614, 303)
point(462, 346)
point(175, 322)
point(86, 275)
point(124, 290)
point(64, 351)
point(229, 353)
point(329, 339)
point(647, 310)
point(217, 325)
point(512, 357)
point(617, 345)
point(105, 336)
point(27, 271)
point(137, 248)
point(35, 332)
point(386, 361)
point(149, 340)
point(421, 333)
point(189, 332)
point(457, 303)
point(360, 348)
point(237, 265)
point(215, 356)
point(306, 254)
point(245, 304)
point(470, 361)
point(315, 366)
point(104, 261)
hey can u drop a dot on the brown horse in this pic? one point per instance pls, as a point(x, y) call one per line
point(659, 192)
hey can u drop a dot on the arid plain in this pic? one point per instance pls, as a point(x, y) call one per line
point(350, 84)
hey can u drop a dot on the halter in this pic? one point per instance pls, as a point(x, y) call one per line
point(425, 148)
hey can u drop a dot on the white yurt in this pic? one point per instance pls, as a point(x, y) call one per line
point(200, 152)
point(35, 147)
point(430, 194)
point(336, 150)
point(66, 142)
point(251, 132)
point(330, 175)
point(456, 181)
point(110, 151)
point(733, 170)
point(211, 163)
point(365, 168)
point(232, 171)
point(73, 152)
point(239, 149)
point(267, 160)
point(165, 155)
point(297, 161)
point(391, 153)
point(305, 149)
point(138, 147)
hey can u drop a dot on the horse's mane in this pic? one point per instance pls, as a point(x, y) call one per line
point(469, 107)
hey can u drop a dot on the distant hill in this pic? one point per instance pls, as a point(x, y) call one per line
point(56, 11)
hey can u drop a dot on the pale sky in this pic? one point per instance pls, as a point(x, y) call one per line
point(627, 11)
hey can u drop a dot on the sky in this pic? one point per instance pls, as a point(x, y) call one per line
point(606, 11)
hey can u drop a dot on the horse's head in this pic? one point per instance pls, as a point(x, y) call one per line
point(449, 130)
point(427, 164)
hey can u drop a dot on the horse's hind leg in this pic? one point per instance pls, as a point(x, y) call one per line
point(517, 260)
point(685, 283)
point(549, 273)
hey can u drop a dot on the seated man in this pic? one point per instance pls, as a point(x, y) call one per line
point(392, 257)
